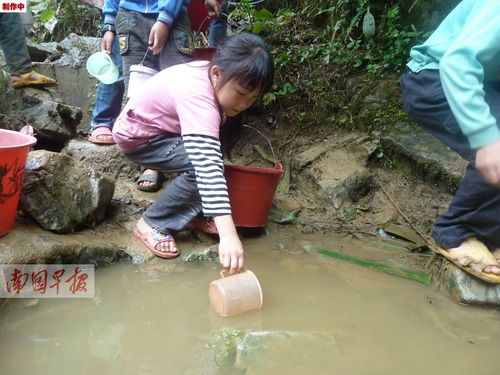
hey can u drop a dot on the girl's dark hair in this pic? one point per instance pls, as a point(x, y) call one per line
point(245, 58)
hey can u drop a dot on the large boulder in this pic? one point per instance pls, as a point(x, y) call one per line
point(106, 159)
point(62, 194)
point(54, 121)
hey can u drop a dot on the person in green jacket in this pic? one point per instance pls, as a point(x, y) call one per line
point(452, 89)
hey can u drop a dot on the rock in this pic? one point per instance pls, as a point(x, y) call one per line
point(206, 254)
point(70, 70)
point(364, 147)
point(339, 174)
point(307, 229)
point(306, 158)
point(52, 119)
point(8, 96)
point(107, 159)
point(31, 244)
point(424, 155)
point(265, 352)
point(62, 194)
point(43, 51)
point(128, 201)
point(469, 289)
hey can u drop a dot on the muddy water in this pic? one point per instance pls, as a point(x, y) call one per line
point(156, 319)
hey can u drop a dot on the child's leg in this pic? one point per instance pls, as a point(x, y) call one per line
point(180, 202)
point(474, 210)
point(177, 205)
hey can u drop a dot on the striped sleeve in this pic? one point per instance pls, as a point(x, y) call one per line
point(206, 157)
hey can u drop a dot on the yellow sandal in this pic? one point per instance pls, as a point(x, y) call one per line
point(472, 259)
point(41, 81)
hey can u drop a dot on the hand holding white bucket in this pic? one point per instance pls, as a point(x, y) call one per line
point(236, 293)
point(102, 67)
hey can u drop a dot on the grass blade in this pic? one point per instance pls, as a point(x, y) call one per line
point(417, 276)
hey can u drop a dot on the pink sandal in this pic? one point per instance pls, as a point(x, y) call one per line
point(204, 224)
point(155, 238)
point(100, 136)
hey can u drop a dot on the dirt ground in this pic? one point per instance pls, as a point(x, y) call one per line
point(396, 196)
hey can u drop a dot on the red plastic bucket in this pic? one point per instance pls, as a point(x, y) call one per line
point(204, 53)
point(14, 147)
point(198, 15)
point(251, 192)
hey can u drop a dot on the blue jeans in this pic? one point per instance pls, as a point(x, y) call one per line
point(475, 208)
point(13, 43)
point(108, 98)
point(218, 28)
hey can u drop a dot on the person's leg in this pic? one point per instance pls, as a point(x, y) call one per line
point(13, 43)
point(475, 208)
point(132, 31)
point(218, 28)
point(180, 202)
point(15, 49)
point(473, 212)
point(109, 98)
point(476, 203)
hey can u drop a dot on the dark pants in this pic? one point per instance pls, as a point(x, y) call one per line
point(475, 208)
point(13, 43)
point(218, 27)
point(133, 28)
point(180, 202)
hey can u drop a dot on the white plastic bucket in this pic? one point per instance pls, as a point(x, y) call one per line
point(138, 75)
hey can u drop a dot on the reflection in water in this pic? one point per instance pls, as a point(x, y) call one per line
point(319, 315)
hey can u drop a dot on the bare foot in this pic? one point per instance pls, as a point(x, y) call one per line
point(149, 172)
point(465, 260)
point(160, 242)
point(105, 137)
point(32, 77)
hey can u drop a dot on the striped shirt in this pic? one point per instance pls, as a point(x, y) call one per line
point(205, 155)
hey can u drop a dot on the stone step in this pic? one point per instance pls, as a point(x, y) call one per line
point(413, 148)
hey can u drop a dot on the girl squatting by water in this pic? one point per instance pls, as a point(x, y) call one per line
point(183, 121)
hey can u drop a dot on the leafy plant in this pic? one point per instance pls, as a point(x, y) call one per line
point(318, 47)
point(56, 19)
point(247, 17)
point(223, 344)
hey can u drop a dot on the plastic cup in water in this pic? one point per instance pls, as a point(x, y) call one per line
point(235, 294)
point(102, 67)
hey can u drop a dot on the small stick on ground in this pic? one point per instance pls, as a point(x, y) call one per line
point(428, 243)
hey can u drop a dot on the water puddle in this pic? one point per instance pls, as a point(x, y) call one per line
point(320, 315)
